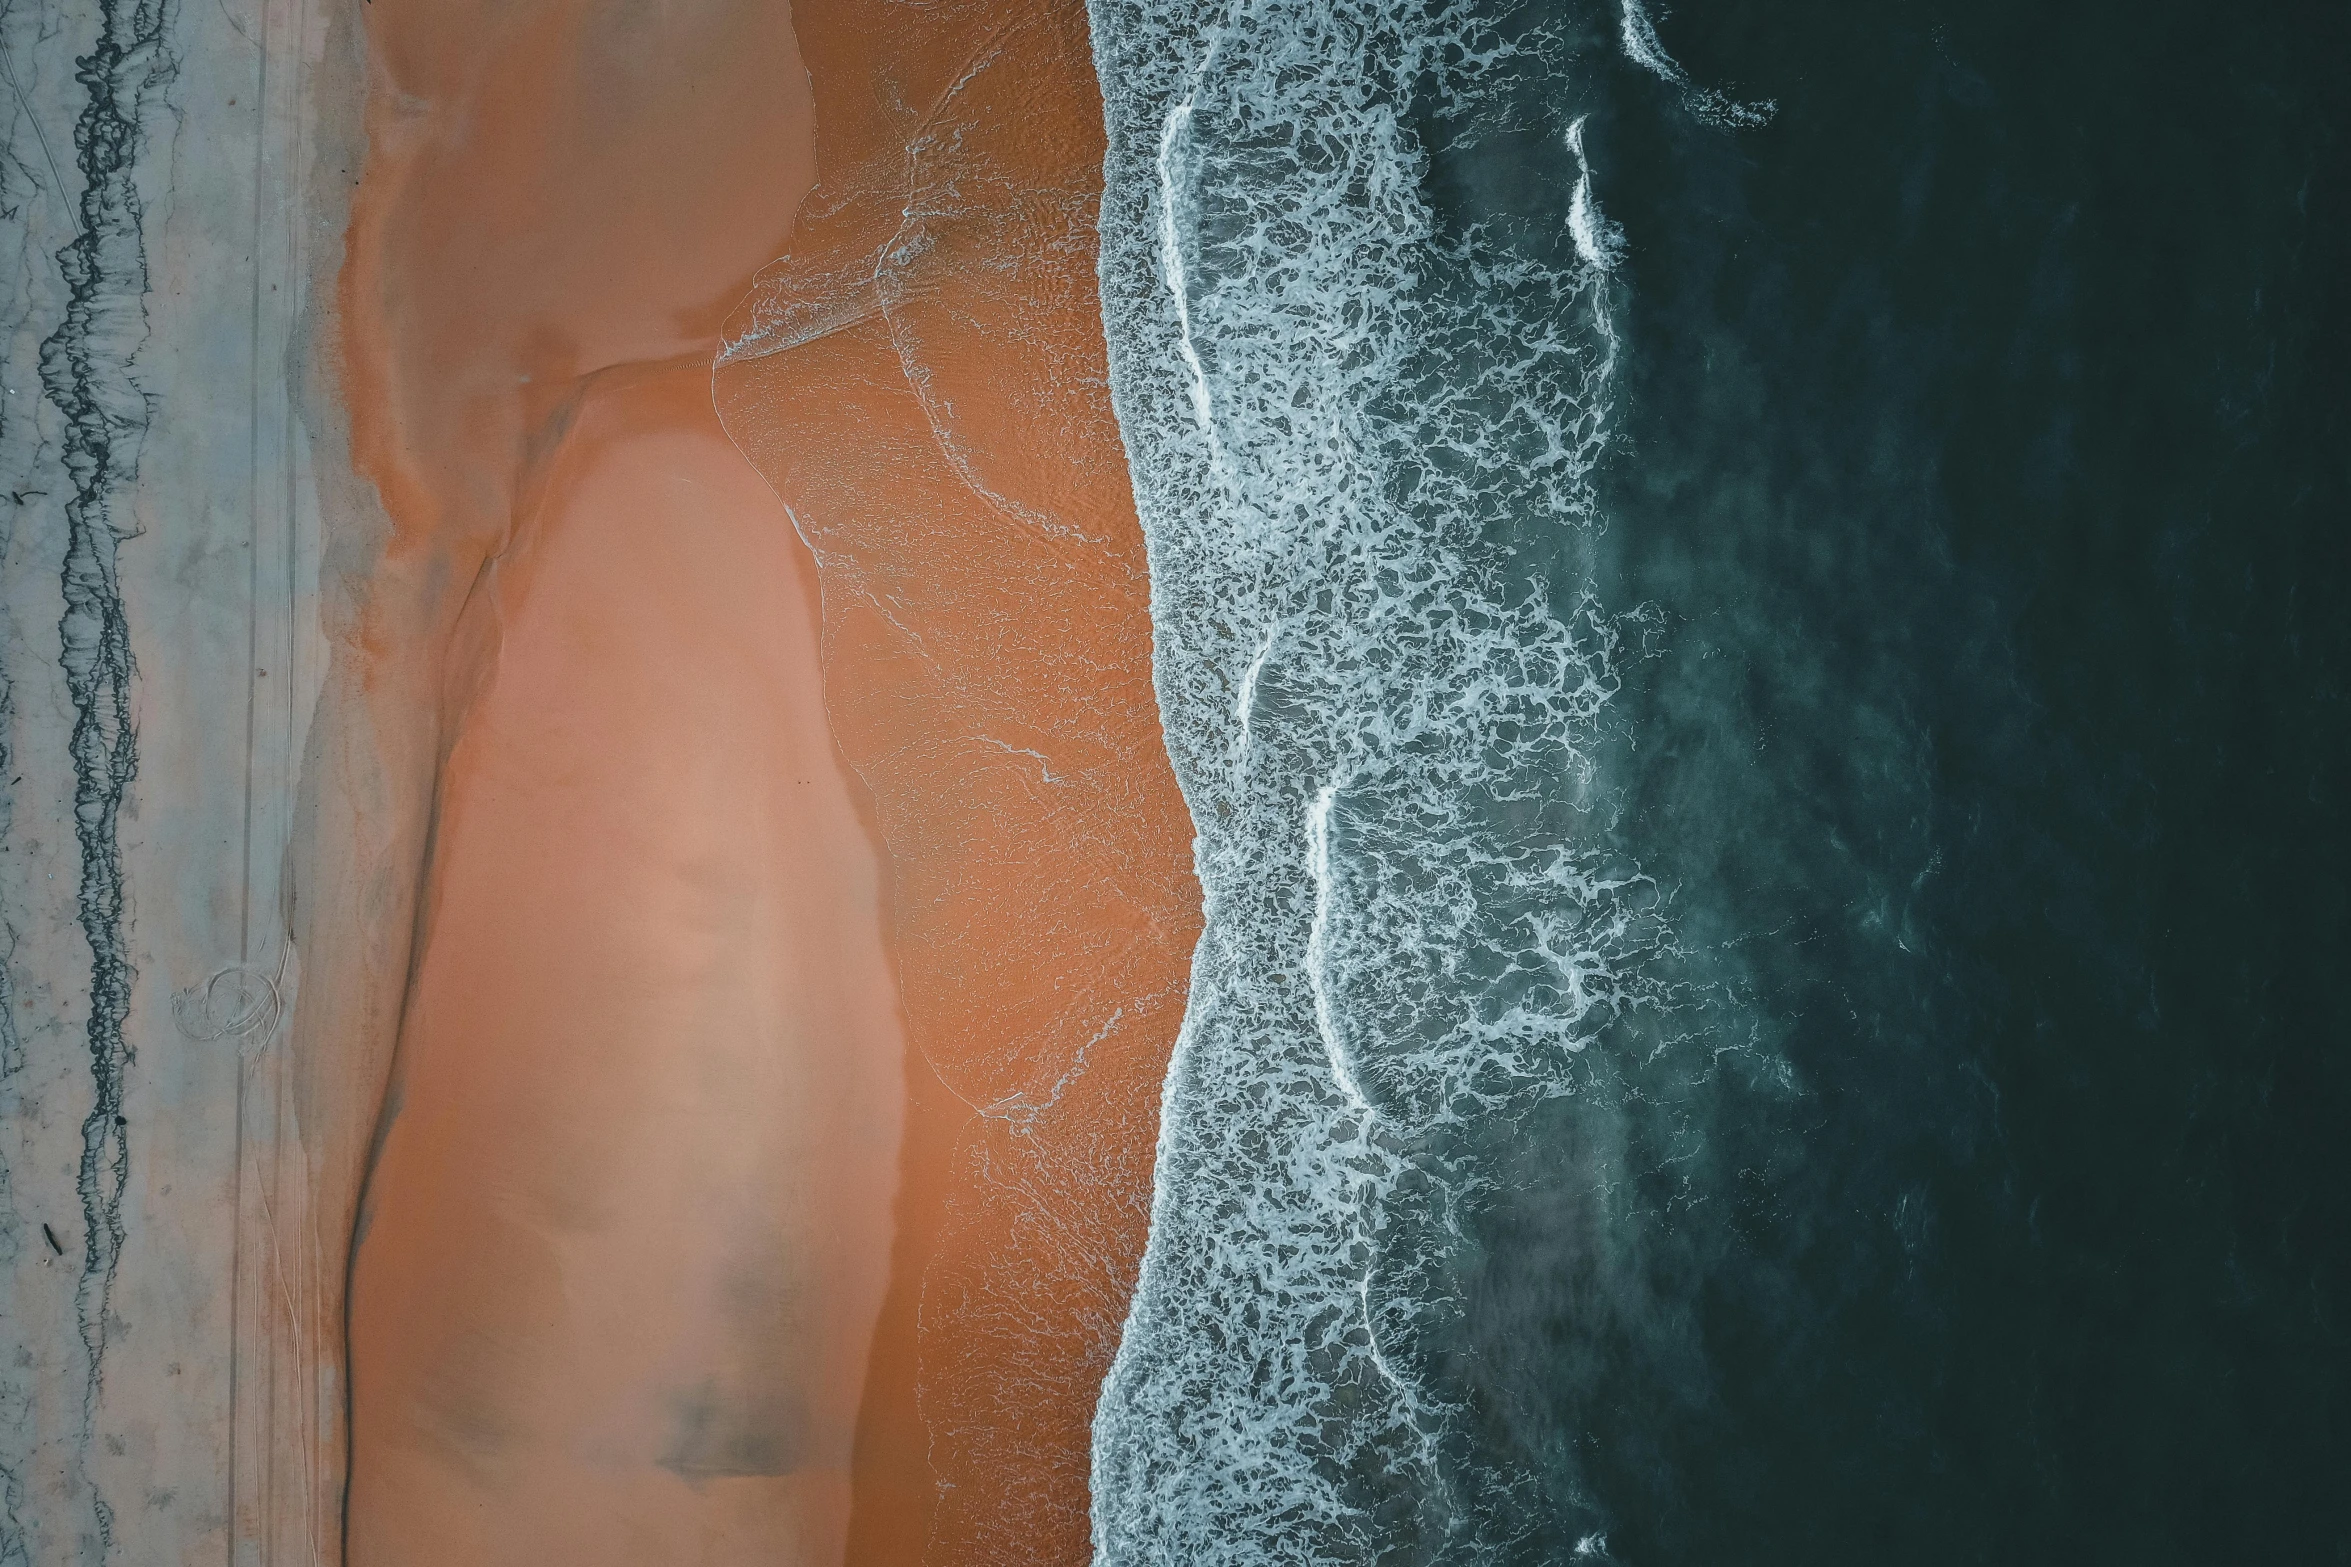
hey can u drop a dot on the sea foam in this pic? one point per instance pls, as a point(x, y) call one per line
point(1336, 411)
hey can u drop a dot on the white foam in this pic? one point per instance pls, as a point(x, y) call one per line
point(1384, 733)
point(1597, 240)
point(1318, 946)
point(1171, 257)
point(1638, 37)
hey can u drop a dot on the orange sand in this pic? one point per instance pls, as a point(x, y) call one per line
point(923, 380)
point(640, 1162)
point(627, 1232)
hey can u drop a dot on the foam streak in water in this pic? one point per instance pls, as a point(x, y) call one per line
point(1318, 943)
point(1638, 36)
point(1598, 241)
point(1335, 412)
point(1641, 45)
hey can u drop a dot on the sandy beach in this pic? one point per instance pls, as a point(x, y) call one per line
point(625, 1230)
point(922, 377)
point(808, 899)
point(624, 1246)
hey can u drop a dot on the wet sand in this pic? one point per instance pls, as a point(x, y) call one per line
point(923, 380)
point(626, 1229)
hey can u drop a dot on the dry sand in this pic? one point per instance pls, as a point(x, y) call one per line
point(625, 1239)
point(628, 1234)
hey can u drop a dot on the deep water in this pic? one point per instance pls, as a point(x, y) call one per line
point(1943, 1159)
point(1984, 441)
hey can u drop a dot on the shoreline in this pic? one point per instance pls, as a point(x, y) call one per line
point(923, 379)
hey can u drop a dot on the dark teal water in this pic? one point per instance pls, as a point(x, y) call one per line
point(1984, 442)
point(1764, 695)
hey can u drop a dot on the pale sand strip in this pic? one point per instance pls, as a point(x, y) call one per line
point(625, 1236)
point(629, 1231)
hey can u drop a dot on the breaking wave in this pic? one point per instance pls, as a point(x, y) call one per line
point(1340, 413)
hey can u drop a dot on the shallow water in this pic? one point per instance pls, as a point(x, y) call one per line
point(1743, 613)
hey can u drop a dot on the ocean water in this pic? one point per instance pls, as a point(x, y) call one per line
point(1750, 609)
